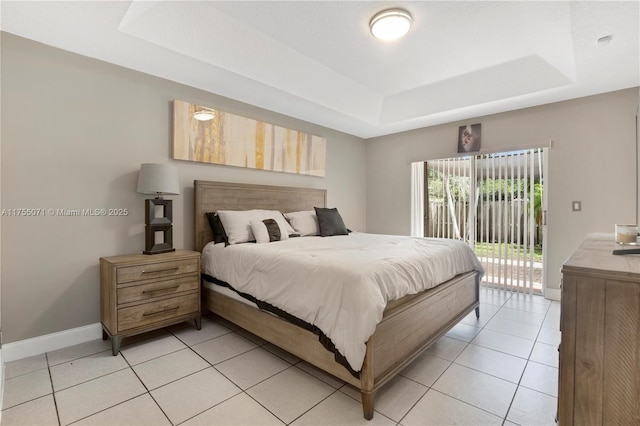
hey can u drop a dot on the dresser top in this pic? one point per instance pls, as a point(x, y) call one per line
point(595, 256)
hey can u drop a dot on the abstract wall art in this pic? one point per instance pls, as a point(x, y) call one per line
point(219, 137)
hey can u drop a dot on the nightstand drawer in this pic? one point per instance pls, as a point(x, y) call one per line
point(148, 313)
point(134, 293)
point(156, 270)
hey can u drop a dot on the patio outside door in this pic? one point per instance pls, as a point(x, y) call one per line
point(497, 203)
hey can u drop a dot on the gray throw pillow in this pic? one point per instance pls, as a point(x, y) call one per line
point(330, 222)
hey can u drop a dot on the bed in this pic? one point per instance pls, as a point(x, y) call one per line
point(409, 325)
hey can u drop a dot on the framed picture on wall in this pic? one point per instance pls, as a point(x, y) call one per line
point(469, 138)
point(209, 135)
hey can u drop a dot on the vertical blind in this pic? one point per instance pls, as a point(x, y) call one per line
point(494, 202)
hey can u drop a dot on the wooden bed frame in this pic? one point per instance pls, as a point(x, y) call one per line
point(409, 325)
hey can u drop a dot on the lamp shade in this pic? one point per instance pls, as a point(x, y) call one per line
point(158, 179)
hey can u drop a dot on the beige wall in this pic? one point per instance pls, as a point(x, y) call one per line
point(75, 130)
point(593, 160)
point(74, 133)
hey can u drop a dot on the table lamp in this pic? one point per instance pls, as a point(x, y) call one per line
point(158, 179)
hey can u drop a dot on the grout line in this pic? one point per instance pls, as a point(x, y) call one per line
point(525, 368)
point(419, 399)
point(242, 391)
point(53, 392)
point(145, 386)
point(474, 406)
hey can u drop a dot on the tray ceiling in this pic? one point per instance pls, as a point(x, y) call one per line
point(317, 61)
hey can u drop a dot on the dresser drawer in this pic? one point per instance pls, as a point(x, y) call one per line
point(149, 290)
point(148, 313)
point(156, 270)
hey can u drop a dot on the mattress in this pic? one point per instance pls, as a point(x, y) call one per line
point(339, 284)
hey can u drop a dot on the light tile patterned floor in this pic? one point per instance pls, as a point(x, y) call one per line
point(501, 369)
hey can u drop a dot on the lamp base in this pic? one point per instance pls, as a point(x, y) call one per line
point(159, 250)
point(155, 247)
point(161, 225)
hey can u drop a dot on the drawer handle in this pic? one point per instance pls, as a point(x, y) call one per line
point(161, 271)
point(163, 311)
point(160, 289)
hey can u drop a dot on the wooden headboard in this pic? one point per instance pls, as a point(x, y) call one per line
point(214, 196)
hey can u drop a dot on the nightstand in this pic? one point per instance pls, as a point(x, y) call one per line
point(140, 293)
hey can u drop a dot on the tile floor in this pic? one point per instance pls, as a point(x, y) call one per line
point(501, 369)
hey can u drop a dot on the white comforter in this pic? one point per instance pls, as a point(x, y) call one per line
point(340, 284)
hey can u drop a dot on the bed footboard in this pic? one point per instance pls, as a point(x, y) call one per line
point(410, 328)
point(406, 330)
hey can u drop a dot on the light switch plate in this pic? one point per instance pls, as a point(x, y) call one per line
point(576, 206)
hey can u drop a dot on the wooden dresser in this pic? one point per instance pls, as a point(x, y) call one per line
point(600, 321)
point(140, 293)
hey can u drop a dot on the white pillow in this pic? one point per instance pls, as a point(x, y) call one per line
point(305, 222)
point(261, 233)
point(237, 223)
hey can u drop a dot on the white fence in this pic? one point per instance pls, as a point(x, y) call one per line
point(496, 221)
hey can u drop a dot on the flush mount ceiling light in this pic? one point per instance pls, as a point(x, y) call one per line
point(204, 114)
point(390, 24)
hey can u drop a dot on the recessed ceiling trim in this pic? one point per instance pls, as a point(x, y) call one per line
point(526, 75)
point(309, 61)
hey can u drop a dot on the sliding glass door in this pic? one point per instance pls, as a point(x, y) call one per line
point(496, 203)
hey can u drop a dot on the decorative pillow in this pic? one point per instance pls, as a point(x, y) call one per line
point(273, 229)
point(237, 223)
point(216, 227)
point(330, 222)
point(268, 230)
point(304, 222)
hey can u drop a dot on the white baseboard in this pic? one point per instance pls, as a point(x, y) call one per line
point(51, 342)
point(552, 293)
point(1, 381)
